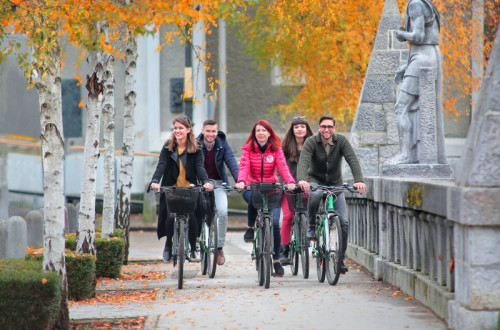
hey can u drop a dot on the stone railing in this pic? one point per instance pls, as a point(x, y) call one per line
point(399, 232)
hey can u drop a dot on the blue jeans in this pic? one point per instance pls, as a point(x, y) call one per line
point(252, 216)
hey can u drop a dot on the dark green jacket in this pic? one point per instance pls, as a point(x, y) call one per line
point(315, 166)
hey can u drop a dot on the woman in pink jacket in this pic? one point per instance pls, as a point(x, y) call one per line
point(261, 156)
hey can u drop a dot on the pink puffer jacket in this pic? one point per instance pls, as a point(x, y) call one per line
point(261, 167)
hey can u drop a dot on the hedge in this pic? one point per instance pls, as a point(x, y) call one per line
point(29, 297)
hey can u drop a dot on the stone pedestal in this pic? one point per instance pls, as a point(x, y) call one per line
point(428, 171)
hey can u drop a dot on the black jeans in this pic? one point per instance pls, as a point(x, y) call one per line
point(339, 206)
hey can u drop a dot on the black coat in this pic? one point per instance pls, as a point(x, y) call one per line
point(167, 170)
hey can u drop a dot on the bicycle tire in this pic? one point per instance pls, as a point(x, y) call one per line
point(320, 258)
point(266, 260)
point(181, 252)
point(204, 248)
point(213, 247)
point(332, 260)
point(259, 245)
point(294, 249)
point(304, 246)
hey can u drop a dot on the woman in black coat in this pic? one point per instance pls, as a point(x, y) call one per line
point(180, 164)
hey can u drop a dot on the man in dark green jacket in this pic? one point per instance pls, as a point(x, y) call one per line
point(320, 163)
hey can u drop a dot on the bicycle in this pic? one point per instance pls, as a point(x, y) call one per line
point(180, 201)
point(209, 239)
point(299, 244)
point(265, 196)
point(328, 242)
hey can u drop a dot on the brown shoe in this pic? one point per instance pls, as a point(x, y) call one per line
point(220, 258)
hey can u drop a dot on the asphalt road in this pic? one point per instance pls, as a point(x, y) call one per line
point(234, 300)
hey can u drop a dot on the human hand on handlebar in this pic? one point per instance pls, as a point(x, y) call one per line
point(304, 185)
point(360, 186)
point(208, 186)
point(290, 186)
point(155, 186)
point(240, 185)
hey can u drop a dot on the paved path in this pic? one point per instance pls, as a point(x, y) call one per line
point(233, 299)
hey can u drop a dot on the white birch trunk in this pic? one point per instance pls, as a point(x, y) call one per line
point(125, 177)
point(108, 122)
point(52, 143)
point(85, 242)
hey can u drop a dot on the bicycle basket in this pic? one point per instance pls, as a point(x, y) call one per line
point(269, 190)
point(297, 202)
point(181, 199)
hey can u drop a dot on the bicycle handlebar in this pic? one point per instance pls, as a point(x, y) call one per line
point(335, 189)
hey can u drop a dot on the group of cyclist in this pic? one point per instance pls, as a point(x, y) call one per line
point(303, 158)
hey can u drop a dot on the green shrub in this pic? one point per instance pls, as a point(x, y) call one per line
point(80, 271)
point(110, 252)
point(29, 297)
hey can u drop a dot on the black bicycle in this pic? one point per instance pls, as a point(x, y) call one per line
point(265, 196)
point(209, 239)
point(299, 244)
point(328, 241)
point(181, 201)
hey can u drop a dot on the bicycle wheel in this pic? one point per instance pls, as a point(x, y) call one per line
point(320, 258)
point(332, 260)
point(259, 255)
point(266, 248)
point(204, 255)
point(181, 252)
point(294, 249)
point(213, 246)
point(304, 246)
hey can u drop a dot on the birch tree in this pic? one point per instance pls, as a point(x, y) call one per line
point(41, 24)
point(108, 123)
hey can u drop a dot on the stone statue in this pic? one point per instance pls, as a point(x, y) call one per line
point(422, 26)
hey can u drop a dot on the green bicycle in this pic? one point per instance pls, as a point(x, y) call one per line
point(327, 245)
point(299, 244)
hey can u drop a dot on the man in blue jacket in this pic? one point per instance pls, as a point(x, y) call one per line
point(217, 152)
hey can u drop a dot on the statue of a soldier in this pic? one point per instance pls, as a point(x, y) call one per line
point(421, 30)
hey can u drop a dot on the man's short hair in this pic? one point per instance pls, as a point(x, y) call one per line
point(327, 117)
point(209, 122)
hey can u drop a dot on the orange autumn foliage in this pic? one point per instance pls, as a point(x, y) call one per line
point(328, 44)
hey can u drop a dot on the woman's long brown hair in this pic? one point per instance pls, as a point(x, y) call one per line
point(191, 144)
point(274, 139)
point(289, 145)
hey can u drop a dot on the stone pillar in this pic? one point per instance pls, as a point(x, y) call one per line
point(4, 189)
point(17, 240)
point(374, 134)
point(3, 238)
point(474, 207)
point(149, 214)
point(72, 218)
point(34, 226)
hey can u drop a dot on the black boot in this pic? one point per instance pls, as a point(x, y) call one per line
point(343, 269)
point(311, 233)
point(285, 255)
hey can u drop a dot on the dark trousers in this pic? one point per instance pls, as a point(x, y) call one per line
point(194, 226)
point(252, 216)
point(339, 205)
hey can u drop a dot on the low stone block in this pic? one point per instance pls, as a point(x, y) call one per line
point(474, 206)
point(17, 240)
point(374, 138)
point(34, 226)
point(462, 318)
point(3, 238)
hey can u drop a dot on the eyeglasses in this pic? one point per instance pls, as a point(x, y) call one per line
point(299, 117)
point(326, 127)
